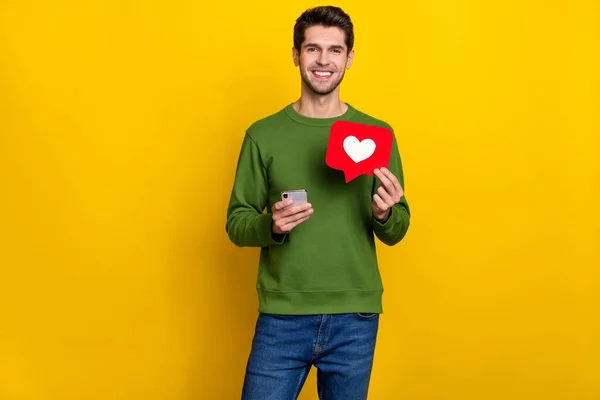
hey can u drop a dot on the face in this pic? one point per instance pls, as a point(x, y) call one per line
point(323, 59)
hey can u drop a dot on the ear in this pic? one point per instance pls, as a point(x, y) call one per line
point(350, 59)
point(295, 56)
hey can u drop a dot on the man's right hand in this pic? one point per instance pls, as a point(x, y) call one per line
point(286, 219)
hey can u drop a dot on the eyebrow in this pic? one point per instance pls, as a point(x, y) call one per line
point(336, 46)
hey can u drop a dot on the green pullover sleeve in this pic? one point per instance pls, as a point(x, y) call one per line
point(395, 227)
point(247, 225)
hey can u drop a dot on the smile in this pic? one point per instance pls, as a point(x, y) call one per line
point(322, 74)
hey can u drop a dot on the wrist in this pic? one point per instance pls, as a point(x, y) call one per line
point(276, 234)
point(274, 229)
point(383, 217)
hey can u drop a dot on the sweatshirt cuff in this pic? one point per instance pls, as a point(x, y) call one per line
point(264, 231)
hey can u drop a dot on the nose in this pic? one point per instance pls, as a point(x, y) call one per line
point(323, 58)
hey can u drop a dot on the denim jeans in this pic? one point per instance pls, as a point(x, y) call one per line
point(285, 347)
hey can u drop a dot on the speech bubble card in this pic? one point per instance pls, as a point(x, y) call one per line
point(357, 149)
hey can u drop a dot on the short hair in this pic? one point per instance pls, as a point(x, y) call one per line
point(327, 16)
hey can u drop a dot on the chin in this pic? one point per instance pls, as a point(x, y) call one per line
point(324, 92)
point(320, 89)
point(315, 85)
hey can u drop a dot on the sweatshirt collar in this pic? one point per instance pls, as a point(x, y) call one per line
point(293, 114)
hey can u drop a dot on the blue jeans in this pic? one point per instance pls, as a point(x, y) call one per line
point(284, 347)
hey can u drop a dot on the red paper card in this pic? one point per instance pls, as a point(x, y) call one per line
point(357, 149)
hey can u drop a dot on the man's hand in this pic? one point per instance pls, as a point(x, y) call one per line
point(388, 194)
point(286, 219)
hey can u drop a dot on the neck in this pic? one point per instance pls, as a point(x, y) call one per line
point(313, 105)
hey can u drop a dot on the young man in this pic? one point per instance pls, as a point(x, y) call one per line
point(319, 286)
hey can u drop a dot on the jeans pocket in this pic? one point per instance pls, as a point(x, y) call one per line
point(367, 316)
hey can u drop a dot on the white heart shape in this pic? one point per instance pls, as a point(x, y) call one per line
point(359, 151)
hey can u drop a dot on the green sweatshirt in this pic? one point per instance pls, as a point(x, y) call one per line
point(327, 264)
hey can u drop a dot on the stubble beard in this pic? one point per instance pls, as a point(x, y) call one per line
point(324, 91)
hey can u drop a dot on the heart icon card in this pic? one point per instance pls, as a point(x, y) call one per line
point(357, 149)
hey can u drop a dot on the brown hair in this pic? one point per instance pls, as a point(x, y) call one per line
point(327, 16)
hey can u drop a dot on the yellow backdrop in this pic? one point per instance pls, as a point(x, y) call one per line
point(120, 126)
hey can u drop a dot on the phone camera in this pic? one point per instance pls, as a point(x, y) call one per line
point(285, 196)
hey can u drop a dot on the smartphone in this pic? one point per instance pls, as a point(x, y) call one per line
point(299, 196)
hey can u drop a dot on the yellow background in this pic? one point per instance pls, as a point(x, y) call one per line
point(120, 126)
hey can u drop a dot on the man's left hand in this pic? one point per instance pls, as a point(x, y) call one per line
point(388, 194)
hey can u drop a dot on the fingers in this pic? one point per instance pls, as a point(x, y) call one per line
point(284, 208)
point(291, 225)
point(390, 183)
point(385, 196)
point(294, 210)
point(280, 205)
point(388, 180)
point(294, 216)
point(392, 179)
point(286, 219)
point(379, 203)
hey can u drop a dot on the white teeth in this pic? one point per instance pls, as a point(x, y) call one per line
point(322, 73)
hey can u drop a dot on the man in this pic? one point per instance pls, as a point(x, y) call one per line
point(319, 286)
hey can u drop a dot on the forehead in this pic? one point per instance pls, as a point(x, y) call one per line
point(325, 36)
